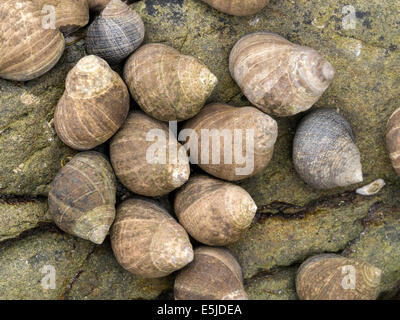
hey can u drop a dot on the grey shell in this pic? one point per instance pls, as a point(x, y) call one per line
point(324, 153)
point(114, 37)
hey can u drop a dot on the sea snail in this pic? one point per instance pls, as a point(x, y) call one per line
point(324, 153)
point(212, 211)
point(238, 7)
point(168, 85)
point(82, 197)
point(115, 33)
point(94, 105)
point(277, 76)
point(333, 277)
point(27, 50)
point(393, 139)
point(147, 241)
point(147, 158)
point(230, 143)
point(214, 274)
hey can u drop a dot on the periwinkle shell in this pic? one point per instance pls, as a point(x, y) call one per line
point(324, 153)
point(115, 33)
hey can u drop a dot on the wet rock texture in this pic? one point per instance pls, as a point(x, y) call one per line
point(294, 221)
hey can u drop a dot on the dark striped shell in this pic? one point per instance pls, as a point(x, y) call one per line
point(333, 277)
point(82, 197)
point(147, 241)
point(94, 105)
point(214, 274)
point(393, 139)
point(324, 153)
point(116, 33)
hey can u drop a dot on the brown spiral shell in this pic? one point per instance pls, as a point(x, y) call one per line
point(214, 274)
point(147, 241)
point(27, 50)
point(324, 153)
point(333, 277)
point(277, 76)
point(214, 212)
point(82, 197)
point(168, 85)
point(133, 161)
point(238, 7)
point(94, 105)
point(115, 33)
point(248, 122)
point(70, 15)
point(393, 139)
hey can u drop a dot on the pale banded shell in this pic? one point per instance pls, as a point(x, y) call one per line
point(82, 197)
point(246, 139)
point(214, 274)
point(116, 33)
point(214, 212)
point(168, 85)
point(147, 158)
point(94, 105)
point(393, 139)
point(324, 153)
point(238, 7)
point(147, 241)
point(333, 277)
point(277, 76)
point(27, 50)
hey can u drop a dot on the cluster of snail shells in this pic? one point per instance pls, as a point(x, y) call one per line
point(333, 277)
point(278, 78)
